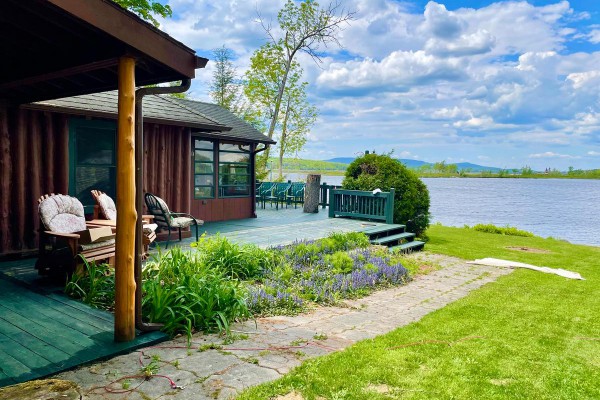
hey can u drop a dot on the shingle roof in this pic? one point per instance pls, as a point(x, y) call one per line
point(156, 109)
point(240, 129)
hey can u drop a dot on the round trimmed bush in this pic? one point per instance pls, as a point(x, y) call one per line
point(411, 200)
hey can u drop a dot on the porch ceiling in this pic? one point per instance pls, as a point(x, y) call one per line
point(61, 48)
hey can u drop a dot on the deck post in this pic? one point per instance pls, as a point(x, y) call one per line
point(389, 207)
point(126, 213)
point(332, 203)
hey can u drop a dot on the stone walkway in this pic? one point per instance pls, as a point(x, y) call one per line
point(269, 347)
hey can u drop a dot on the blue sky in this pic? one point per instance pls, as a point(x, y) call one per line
point(504, 84)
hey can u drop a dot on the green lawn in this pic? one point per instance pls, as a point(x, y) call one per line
point(537, 332)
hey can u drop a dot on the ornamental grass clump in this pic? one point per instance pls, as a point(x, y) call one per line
point(245, 261)
point(187, 294)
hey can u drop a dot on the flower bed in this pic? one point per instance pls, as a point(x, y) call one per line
point(218, 281)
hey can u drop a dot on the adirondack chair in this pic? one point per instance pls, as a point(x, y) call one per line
point(278, 194)
point(167, 219)
point(59, 247)
point(295, 194)
point(106, 209)
point(263, 191)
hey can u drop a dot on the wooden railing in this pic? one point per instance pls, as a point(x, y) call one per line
point(324, 194)
point(364, 205)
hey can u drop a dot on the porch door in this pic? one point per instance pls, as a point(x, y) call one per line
point(92, 159)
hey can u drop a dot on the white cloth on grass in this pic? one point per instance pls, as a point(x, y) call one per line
point(495, 262)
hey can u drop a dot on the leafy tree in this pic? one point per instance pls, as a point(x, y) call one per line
point(224, 88)
point(303, 27)
point(411, 202)
point(299, 115)
point(147, 9)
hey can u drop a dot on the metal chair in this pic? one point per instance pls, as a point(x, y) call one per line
point(167, 219)
point(295, 194)
point(263, 191)
point(278, 194)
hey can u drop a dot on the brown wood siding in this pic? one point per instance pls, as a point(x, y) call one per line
point(167, 165)
point(34, 161)
point(222, 209)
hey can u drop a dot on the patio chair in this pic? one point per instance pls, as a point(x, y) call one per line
point(106, 209)
point(295, 194)
point(59, 248)
point(278, 194)
point(167, 219)
point(263, 191)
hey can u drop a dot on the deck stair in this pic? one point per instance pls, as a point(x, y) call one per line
point(395, 237)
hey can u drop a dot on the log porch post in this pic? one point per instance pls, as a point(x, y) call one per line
point(126, 213)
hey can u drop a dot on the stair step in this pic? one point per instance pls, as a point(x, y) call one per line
point(414, 245)
point(382, 229)
point(393, 238)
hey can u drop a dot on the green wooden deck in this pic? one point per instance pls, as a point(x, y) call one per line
point(275, 227)
point(42, 333)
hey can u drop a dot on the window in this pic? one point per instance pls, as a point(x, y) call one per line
point(204, 172)
point(92, 159)
point(234, 170)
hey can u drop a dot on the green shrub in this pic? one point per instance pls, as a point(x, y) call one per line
point(411, 202)
point(506, 230)
point(186, 294)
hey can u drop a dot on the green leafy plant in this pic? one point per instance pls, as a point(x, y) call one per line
point(94, 285)
point(234, 260)
point(341, 262)
point(186, 294)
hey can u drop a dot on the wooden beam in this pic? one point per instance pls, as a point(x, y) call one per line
point(74, 71)
point(126, 213)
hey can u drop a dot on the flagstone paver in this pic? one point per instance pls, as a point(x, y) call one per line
point(272, 346)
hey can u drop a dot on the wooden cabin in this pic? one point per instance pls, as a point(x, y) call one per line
point(198, 156)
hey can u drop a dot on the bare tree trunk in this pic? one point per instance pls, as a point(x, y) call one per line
point(281, 164)
point(311, 193)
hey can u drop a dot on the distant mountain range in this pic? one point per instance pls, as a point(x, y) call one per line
point(418, 163)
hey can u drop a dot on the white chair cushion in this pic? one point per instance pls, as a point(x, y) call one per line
point(107, 206)
point(64, 214)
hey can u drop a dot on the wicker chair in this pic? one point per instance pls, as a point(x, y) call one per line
point(59, 248)
point(169, 220)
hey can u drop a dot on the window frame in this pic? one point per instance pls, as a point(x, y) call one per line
point(76, 124)
point(247, 165)
point(213, 163)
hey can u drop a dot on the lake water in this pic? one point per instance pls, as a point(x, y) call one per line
point(561, 208)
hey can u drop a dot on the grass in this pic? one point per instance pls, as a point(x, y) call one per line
point(532, 335)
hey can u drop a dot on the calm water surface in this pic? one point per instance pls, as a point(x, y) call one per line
point(561, 208)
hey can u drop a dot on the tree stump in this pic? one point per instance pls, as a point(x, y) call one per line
point(311, 193)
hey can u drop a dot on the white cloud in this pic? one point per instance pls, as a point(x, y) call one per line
point(479, 42)
point(500, 81)
point(594, 36)
point(550, 154)
point(398, 71)
point(593, 153)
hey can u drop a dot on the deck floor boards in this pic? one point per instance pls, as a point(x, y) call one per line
point(43, 333)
